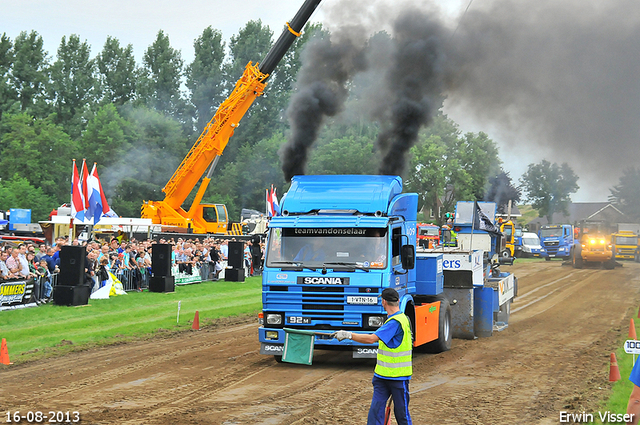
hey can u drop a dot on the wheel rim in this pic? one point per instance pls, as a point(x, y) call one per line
point(446, 327)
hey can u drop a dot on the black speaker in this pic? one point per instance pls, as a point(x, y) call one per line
point(162, 284)
point(234, 275)
point(236, 254)
point(72, 265)
point(71, 295)
point(161, 259)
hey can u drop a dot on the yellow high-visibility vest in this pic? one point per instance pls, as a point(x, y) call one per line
point(396, 362)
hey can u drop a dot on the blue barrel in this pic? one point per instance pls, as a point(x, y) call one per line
point(483, 311)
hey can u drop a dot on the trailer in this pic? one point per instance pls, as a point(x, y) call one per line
point(341, 240)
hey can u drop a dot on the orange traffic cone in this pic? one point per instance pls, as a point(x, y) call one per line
point(196, 322)
point(4, 353)
point(632, 331)
point(614, 372)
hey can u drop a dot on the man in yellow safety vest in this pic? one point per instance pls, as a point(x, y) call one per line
point(393, 369)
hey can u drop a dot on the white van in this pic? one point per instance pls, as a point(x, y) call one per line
point(531, 246)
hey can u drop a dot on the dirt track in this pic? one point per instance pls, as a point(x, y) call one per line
point(553, 356)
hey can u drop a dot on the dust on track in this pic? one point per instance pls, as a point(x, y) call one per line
point(552, 357)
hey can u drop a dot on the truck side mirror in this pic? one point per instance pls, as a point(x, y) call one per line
point(408, 255)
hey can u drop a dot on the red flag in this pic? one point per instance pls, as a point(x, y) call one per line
point(77, 203)
point(85, 188)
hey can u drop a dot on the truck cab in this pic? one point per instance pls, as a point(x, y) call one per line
point(557, 241)
point(625, 245)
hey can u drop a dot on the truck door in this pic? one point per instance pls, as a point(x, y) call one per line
point(399, 276)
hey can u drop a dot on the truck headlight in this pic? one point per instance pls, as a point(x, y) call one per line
point(274, 319)
point(375, 321)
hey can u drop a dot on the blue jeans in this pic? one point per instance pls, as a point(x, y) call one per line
point(382, 389)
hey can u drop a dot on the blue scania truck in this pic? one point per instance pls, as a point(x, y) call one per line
point(342, 239)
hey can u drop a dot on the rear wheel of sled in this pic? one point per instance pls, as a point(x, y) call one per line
point(445, 331)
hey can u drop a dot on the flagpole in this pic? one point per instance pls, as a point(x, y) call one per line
point(71, 204)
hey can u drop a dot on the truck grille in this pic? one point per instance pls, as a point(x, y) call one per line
point(320, 303)
point(549, 244)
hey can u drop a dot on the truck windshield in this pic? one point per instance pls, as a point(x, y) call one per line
point(312, 247)
point(428, 231)
point(530, 241)
point(627, 240)
point(551, 233)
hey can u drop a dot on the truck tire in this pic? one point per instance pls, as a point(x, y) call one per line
point(277, 358)
point(547, 259)
point(610, 264)
point(576, 258)
point(505, 254)
point(445, 331)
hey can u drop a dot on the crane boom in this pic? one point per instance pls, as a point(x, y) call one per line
point(207, 149)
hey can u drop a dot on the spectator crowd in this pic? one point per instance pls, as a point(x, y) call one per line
point(128, 261)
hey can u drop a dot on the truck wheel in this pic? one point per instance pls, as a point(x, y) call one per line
point(611, 264)
point(547, 259)
point(443, 343)
point(576, 259)
point(278, 358)
point(505, 254)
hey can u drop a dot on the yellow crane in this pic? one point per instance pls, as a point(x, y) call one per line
point(206, 151)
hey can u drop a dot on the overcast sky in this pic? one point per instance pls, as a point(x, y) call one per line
point(137, 22)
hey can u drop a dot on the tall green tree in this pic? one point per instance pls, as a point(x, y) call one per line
point(72, 87)
point(118, 74)
point(39, 151)
point(252, 43)
point(8, 95)
point(447, 167)
point(17, 192)
point(29, 74)
point(427, 173)
point(626, 194)
point(205, 77)
point(347, 155)
point(478, 155)
point(107, 137)
point(163, 71)
point(140, 173)
point(549, 187)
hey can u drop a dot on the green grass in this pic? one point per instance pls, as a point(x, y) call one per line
point(49, 329)
point(620, 390)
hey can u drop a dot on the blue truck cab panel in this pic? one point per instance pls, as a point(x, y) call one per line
point(557, 240)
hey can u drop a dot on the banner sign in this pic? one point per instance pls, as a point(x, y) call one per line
point(15, 291)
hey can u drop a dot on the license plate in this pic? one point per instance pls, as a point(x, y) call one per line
point(298, 320)
point(362, 300)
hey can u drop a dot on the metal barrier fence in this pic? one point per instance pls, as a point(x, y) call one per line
point(133, 279)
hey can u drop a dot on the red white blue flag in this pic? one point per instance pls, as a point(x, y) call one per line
point(98, 205)
point(273, 206)
point(77, 200)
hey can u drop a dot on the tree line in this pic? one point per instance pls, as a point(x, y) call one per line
point(137, 121)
